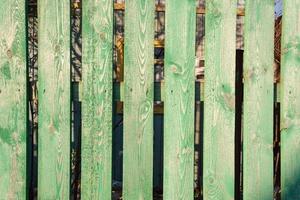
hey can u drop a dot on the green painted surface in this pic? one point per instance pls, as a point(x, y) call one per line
point(12, 100)
point(258, 100)
point(54, 99)
point(97, 42)
point(219, 100)
point(179, 99)
point(290, 101)
point(138, 99)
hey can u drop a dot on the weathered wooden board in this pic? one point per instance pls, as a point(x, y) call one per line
point(219, 100)
point(54, 99)
point(97, 43)
point(179, 100)
point(258, 100)
point(138, 99)
point(290, 101)
point(13, 104)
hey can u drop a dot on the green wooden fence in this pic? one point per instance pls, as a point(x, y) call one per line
point(219, 156)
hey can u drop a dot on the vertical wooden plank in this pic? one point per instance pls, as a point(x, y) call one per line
point(219, 99)
point(138, 99)
point(54, 99)
point(290, 101)
point(258, 100)
point(13, 104)
point(97, 42)
point(179, 99)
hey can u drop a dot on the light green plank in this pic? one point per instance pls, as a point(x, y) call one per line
point(179, 99)
point(97, 42)
point(12, 100)
point(138, 99)
point(258, 100)
point(54, 99)
point(219, 100)
point(290, 101)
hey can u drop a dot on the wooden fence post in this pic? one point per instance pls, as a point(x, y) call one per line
point(54, 99)
point(179, 99)
point(290, 101)
point(13, 100)
point(97, 83)
point(138, 99)
point(258, 100)
point(219, 100)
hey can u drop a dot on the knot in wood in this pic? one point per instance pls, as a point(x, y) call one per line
point(57, 48)
point(9, 53)
point(102, 36)
point(174, 68)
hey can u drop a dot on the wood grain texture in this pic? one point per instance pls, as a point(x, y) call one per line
point(179, 99)
point(97, 42)
point(258, 100)
point(13, 104)
point(54, 99)
point(290, 101)
point(219, 100)
point(138, 99)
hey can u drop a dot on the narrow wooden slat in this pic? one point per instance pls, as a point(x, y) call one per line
point(219, 102)
point(13, 100)
point(258, 100)
point(179, 100)
point(97, 42)
point(138, 99)
point(54, 99)
point(290, 101)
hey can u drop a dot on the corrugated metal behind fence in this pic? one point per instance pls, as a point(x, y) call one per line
point(233, 105)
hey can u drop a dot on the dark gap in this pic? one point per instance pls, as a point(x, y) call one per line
point(158, 103)
point(118, 78)
point(117, 154)
point(199, 105)
point(198, 194)
point(239, 88)
point(28, 110)
point(32, 77)
point(197, 149)
point(276, 151)
point(276, 137)
point(76, 65)
point(158, 147)
point(75, 143)
point(158, 157)
point(238, 125)
point(199, 102)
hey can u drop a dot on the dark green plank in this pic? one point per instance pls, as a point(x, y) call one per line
point(179, 99)
point(138, 99)
point(12, 100)
point(219, 99)
point(258, 100)
point(290, 101)
point(97, 39)
point(54, 99)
